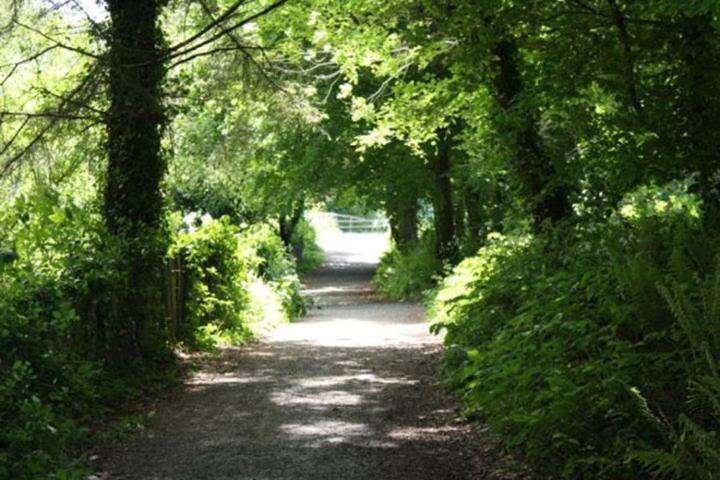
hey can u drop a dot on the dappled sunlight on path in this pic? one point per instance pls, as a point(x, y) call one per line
point(348, 392)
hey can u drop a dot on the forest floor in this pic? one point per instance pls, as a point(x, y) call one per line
point(350, 391)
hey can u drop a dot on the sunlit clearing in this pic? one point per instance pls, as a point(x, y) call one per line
point(405, 433)
point(331, 428)
point(359, 240)
point(352, 332)
point(313, 392)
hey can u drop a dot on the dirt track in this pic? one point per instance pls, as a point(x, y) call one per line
point(348, 392)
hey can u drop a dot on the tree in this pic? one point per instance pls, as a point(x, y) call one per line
point(134, 68)
point(133, 202)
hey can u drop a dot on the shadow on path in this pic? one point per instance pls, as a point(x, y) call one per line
point(348, 392)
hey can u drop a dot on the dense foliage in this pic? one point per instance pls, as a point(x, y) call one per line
point(549, 171)
point(239, 282)
point(58, 267)
point(48, 381)
point(405, 275)
point(573, 348)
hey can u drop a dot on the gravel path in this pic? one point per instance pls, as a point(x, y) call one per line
point(348, 392)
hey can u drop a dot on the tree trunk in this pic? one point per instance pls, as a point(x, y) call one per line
point(133, 202)
point(534, 169)
point(402, 213)
point(484, 212)
point(699, 101)
point(445, 242)
point(459, 217)
point(136, 117)
point(628, 59)
point(474, 209)
point(288, 223)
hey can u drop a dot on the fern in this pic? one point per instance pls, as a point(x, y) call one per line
point(694, 451)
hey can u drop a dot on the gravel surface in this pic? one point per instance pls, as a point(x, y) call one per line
point(348, 392)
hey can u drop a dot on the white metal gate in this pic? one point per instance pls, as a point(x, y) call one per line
point(350, 223)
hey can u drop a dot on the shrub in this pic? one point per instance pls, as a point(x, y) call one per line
point(45, 387)
point(274, 265)
point(58, 271)
point(308, 253)
point(691, 447)
point(550, 338)
point(49, 374)
point(406, 275)
point(241, 281)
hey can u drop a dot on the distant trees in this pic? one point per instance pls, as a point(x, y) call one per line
point(560, 101)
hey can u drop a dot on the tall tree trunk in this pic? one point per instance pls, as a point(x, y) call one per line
point(445, 242)
point(461, 226)
point(628, 59)
point(287, 223)
point(536, 172)
point(474, 209)
point(699, 101)
point(484, 212)
point(402, 211)
point(133, 202)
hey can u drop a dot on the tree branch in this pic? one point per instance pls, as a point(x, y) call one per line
point(14, 137)
point(29, 59)
point(58, 44)
point(9, 165)
point(216, 22)
point(207, 53)
point(59, 115)
point(99, 30)
point(238, 47)
point(86, 85)
point(584, 6)
point(225, 31)
point(73, 102)
point(629, 60)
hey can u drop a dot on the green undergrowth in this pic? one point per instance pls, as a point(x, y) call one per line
point(594, 351)
point(241, 281)
point(308, 253)
point(406, 275)
point(58, 271)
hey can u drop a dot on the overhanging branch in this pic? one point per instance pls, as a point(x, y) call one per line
point(214, 23)
point(84, 90)
point(57, 43)
point(172, 53)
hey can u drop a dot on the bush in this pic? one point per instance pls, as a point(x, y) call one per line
point(691, 447)
point(50, 376)
point(551, 339)
point(241, 281)
point(308, 253)
point(59, 272)
point(406, 275)
point(274, 266)
point(45, 388)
